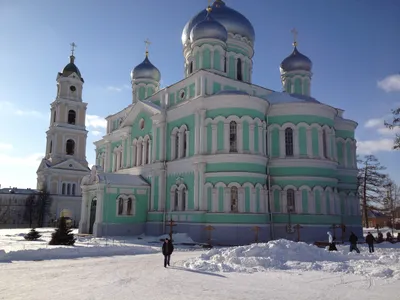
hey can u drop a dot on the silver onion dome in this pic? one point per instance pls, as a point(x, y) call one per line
point(233, 21)
point(296, 62)
point(146, 70)
point(208, 29)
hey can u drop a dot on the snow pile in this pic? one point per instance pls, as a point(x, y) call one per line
point(60, 252)
point(288, 255)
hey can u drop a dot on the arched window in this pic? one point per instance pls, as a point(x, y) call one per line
point(120, 206)
point(225, 62)
point(129, 207)
point(234, 199)
point(148, 151)
point(289, 141)
point(177, 145)
point(71, 117)
point(54, 116)
point(51, 147)
point(139, 152)
point(290, 200)
point(191, 67)
point(184, 143)
point(183, 197)
point(176, 200)
point(70, 147)
point(324, 145)
point(239, 70)
point(73, 189)
point(233, 136)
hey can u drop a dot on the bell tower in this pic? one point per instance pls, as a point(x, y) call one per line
point(64, 163)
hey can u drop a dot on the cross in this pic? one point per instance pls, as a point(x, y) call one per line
point(294, 31)
point(147, 43)
point(209, 228)
point(171, 225)
point(73, 46)
point(256, 229)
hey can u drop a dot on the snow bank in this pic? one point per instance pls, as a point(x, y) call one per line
point(288, 255)
point(59, 252)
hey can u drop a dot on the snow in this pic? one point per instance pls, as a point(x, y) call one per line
point(112, 268)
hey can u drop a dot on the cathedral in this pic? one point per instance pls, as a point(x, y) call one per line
point(213, 155)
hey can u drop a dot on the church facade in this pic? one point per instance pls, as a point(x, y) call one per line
point(216, 152)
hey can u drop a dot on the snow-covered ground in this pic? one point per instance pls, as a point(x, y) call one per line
point(276, 270)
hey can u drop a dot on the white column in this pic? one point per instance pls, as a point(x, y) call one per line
point(214, 202)
point(144, 152)
point(241, 200)
point(311, 202)
point(139, 154)
point(162, 141)
point(309, 143)
point(298, 202)
point(150, 152)
point(187, 134)
point(251, 138)
point(227, 199)
point(296, 144)
point(332, 203)
point(260, 140)
point(196, 187)
point(200, 60)
point(240, 137)
point(262, 201)
point(162, 192)
point(354, 154)
point(323, 202)
point(152, 192)
point(320, 143)
point(180, 144)
point(214, 138)
point(84, 211)
point(154, 147)
point(202, 203)
point(133, 155)
point(212, 59)
point(197, 133)
point(284, 201)
point(344, 151)
point(282, 151)
point(202, 85)
point(203, 132)
point(226, 138)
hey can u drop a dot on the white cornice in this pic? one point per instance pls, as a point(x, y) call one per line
point(345, 124)
point(235, 174)
point(302, 162)
point(303, 108)
point(302, 178)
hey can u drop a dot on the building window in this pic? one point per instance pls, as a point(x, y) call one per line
point(234, 199)
point(239, 70)
point(54, 116)
point(176, 200)
point(120, 206)
point(289, 141)
point(51, 147)
point(266, 143)
point(70, 147)
point(63, 189)
point(71, 117)
point(324, 145)
point(183, 198)
point(68, 188)
point(191, 67)
point(129, 207)
point(290, 200)
point(184, 143)
point(225, 62)
point(232, 136)
point(141, 124)
point(177, 145)
point(147, 151)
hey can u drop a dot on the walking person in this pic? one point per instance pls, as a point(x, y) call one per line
point(332, 246)
point(370, 239)
point(353, 242)
point(167, 249)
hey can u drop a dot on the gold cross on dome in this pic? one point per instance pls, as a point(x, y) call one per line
point(73, 46)
point(147, 43)
point(294, 31)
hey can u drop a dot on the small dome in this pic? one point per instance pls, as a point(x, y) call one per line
point(233, 21)
point(146, 70)
point(296, 62)
point(71, 68)
point(208, 29)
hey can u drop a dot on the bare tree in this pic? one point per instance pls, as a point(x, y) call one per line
point(31, 209)
point(395, 124)
point(392, 200)
point(370, 184)
point(44, 203)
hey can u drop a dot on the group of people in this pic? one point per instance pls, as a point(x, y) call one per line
point(369, 240)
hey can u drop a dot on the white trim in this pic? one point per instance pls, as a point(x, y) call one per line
point(234, 174)
point(309, 178)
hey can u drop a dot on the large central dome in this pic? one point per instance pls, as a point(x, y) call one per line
point(233, 21)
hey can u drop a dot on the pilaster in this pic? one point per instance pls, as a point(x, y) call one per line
point(214, 202)
point(226, 138)
point(282, 149)
point(251, 138)
point(298, 202)
point(203, 131)
point(152, 200)
point(296, 142)
point(309, 143)
point(162, 191)
point(240, 137)
point(284, 201)
point(260, 145)
point(241, 200)
point(214, 138)
point(227, 199)
point(320, 143)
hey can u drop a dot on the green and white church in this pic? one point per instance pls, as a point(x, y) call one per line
point(216, 151)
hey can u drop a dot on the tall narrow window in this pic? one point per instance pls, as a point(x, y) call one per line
point(54, 116)
point(148, 151)
point(120, 206)
point(239, 70)
point(191, 67)
point(63, 189)
point(68, 189)
point(232, 136)
point(324, 145)
point(176, 200)
point(51, 147)
point(289, 141)
point(184, 144)
point(70, 147)
point(73, 189)
point(225, 62)
point(183, 197)
point(234, 199)
point(129, 207)
point(176, 145)
point(266, 144)
point(290, 200)
point(71, 117)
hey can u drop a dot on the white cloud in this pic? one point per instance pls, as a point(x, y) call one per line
point(96, 132)
point(373, 146)
point(95, 121)
point(31, 160)
point(379, 125)
point(390, 83)
point(4, 146)
point(371, 123)
point(118, 88)
point(8, 107)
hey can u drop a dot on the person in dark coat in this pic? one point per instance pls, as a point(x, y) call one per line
point(167, 249)
point(370, 239)
point(353, 242)
point(332, 246)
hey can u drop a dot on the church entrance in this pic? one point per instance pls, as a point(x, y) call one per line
point(93, 207)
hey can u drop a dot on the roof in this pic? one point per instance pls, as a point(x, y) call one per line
point(282, 97)
point(14, 190)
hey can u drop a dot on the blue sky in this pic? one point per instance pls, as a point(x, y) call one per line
point(353, 44)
